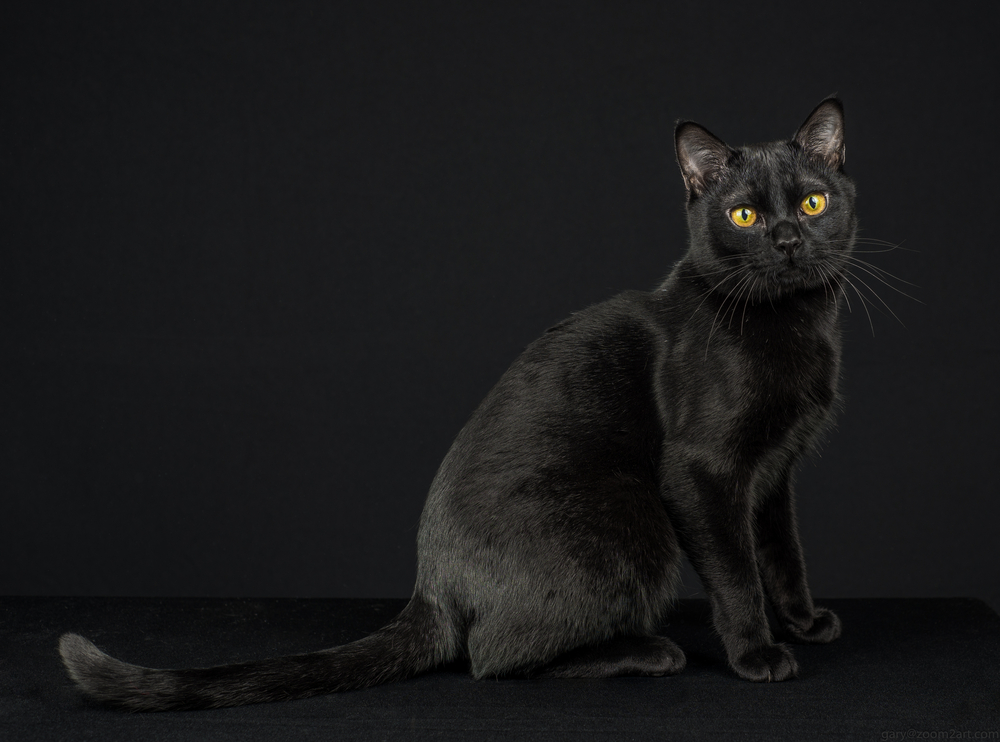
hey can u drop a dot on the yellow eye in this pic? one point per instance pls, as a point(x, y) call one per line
point(813, 204)
point(743, 216)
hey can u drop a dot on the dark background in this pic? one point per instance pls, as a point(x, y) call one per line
point(261, 261)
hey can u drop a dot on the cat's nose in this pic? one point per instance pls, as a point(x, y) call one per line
point(787, 237)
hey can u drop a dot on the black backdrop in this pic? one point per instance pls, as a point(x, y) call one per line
point(261, 261)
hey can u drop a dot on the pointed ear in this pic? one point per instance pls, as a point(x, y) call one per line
point(702, 157)
point(822, 135)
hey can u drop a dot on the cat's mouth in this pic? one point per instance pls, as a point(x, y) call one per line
point(793, 274)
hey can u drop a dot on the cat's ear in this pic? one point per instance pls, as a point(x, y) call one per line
point(822, 135)
point(701, 155)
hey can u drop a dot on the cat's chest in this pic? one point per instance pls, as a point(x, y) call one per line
point(750, 391)
point(789, 367)
point(789, 386)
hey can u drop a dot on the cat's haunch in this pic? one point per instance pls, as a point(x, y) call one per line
point(649, 425)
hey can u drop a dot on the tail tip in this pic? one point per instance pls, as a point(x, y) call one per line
point(77, 654)
point(104, 679)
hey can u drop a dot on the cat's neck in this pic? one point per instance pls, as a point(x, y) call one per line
point(804, 310)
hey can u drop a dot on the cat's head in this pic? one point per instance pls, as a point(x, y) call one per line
point(772, 218)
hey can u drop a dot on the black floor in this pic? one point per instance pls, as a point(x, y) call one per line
point(904, 669)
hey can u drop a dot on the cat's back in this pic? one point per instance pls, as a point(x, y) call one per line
point(581, 396)
point(594, 369)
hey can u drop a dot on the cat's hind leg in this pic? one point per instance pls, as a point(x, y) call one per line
point(621, 656)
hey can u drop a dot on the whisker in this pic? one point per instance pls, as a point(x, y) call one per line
point(746, 275)
point(865, 238)
point(864, 304)
point(826, 274)
point(706, 274)
point(865, 267)
point(753, 287)
point(876, 241)
point(859, 262)
point(748, 287)
point(875, 294)
point(730, 296)
point(710, 291)
point(891, 246)
point(847, 300)
point(744, 288)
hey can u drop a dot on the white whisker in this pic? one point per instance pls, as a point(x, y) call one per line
point(871, 270)
point(875, 294)
point(864, 304)
point(746, 275)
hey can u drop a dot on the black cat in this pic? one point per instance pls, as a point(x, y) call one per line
point(551, 540)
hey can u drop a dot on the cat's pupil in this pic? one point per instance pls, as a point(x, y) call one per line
point(813, 203)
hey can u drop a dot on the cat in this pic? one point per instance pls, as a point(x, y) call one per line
point(655, 422)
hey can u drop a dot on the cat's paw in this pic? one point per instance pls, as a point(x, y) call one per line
point(823, 629)
point(768, 664)
point(671, 660)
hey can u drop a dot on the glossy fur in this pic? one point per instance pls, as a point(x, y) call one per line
point(653, 423)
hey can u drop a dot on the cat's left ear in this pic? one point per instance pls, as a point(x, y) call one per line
point(822, 135)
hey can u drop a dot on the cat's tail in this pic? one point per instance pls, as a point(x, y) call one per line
point(417, 640)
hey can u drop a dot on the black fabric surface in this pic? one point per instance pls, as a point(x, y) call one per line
point(916, 669)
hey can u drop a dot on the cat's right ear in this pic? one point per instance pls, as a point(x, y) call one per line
point(701, 156)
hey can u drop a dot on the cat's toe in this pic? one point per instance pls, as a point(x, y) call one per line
point(768, 664)
point(824, 628)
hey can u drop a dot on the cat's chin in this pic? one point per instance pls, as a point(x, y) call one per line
point(794, 278)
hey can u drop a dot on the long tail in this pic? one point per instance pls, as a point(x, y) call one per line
point(417, 640)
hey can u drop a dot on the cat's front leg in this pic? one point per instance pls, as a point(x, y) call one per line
point(783, 570)
point(716, 528)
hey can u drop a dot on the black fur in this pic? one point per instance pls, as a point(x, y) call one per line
point(551, 539)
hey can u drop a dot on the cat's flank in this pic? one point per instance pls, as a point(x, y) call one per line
point(653, 423)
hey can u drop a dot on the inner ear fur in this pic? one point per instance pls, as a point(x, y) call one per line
point(701, 155)
point(822, 134)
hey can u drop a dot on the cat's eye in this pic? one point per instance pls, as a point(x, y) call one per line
point(813, 204)
point(743, 216)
